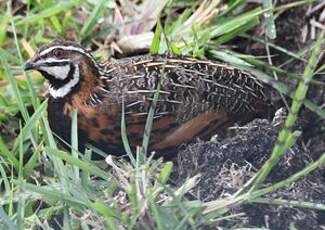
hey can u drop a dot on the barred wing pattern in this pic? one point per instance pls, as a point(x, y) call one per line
point(190, 87)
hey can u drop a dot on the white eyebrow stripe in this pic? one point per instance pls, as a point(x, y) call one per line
point(73, 48)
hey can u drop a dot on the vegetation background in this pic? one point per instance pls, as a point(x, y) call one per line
point(45, 187)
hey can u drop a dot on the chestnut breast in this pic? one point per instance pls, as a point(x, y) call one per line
point(103, 129)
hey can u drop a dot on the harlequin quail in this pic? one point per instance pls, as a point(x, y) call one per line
point(196, 96)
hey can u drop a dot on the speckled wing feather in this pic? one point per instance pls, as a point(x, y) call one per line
point(190, 87)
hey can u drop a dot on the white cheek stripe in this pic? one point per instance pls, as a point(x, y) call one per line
point(41, 61)
point(59, 72)
point(65, 89)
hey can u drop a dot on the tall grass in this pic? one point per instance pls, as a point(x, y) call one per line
point(41, 182)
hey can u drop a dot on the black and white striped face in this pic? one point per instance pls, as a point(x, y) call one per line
point(60, 62)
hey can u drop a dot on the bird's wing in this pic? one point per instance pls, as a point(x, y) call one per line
point(188, 87)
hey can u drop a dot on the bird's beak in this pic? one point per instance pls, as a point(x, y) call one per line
point(29, 65)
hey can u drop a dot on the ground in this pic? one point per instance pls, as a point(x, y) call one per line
point(225, 165)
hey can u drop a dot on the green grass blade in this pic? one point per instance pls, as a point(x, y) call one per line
point(233, 6)
point(315, 108)
point(74, 140)
point(293, 178)
point(228, 57)
point(124, 136)
point(6, 154)
point(51, 194)
point(17, 93)
point(4, 178)
point(293, 4)
point(25, 131)
point(289, 203)
point(4, 24)
point(93, 18)
point(56, 24)
point(86, 166)
point(165, 172)
point(285, 138)
point(31, 90)
point(151, 113)
point(279, 48)
point(59, 167)
point(21, 157)
point(6, 220)
point(48, 134)
point(33, 161)
point(104, 210)
point(155, 45)
point(57, 8)
point(235, 23)
point(66, 219)
point(269, 19)
point(236, 32)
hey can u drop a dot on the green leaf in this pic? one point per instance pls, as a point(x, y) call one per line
point(154, 49)
point(165, 172)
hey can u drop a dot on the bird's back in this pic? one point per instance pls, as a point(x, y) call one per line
point(188, 86)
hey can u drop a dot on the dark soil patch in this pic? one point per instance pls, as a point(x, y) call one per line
point(226, 165)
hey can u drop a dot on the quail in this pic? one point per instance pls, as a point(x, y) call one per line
point(196, 97)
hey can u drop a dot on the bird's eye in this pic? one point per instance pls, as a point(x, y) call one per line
point(58, 52)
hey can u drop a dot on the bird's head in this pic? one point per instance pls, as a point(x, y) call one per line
point(61, 63)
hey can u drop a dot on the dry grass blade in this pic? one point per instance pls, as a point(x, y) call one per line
point(207, 10)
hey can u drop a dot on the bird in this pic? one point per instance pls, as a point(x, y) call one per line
point(196, 96)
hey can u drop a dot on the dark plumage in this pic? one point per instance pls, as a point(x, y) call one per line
point(196, 96)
